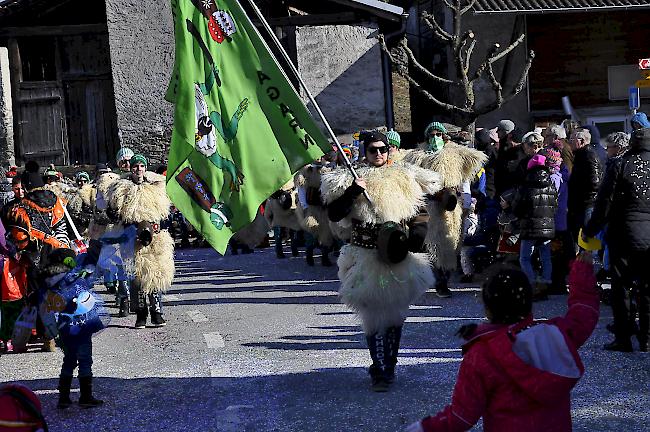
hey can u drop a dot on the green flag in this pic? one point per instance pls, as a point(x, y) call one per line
point(240, 129)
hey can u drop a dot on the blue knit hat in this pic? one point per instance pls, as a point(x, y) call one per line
point(642, 119)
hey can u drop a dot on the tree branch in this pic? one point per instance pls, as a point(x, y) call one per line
point(515, 90)
point(444, 105)
point(432, 23)
point(468, 7)
point(468, 55)
point(426, 72)
point(493, 56)
point(450, 6)
point(496, 85)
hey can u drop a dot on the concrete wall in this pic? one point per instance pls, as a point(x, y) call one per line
point(6, 112)
point(141, 37)
point(343, 70)
point(490, 29)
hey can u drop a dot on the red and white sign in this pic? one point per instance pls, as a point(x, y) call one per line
point(644, 64)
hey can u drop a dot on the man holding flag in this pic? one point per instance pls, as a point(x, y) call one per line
point(240, 129)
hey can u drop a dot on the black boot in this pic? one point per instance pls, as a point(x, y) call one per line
point(64, 392)
point(294, 243)
point(309, 256)
point(141, 318)
point(377, 370)
point(111, 287)
point(157, 319)
point(621, 346)
point(86, 399)
point(124, 308)
point(325, 258)
point(279, 253)
point(393, 337)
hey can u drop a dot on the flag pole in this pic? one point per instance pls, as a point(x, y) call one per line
point(311, 98)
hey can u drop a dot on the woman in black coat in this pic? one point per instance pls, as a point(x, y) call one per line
point(535, 204)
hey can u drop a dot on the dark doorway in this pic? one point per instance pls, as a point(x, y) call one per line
point(62, 89)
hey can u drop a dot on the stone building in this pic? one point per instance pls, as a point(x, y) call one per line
point(80, 78)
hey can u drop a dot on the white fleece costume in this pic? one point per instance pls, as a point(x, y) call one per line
point(379, 292)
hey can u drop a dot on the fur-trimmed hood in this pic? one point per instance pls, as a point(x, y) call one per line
point(136, 203)
point(456, 163)
point(397, 191)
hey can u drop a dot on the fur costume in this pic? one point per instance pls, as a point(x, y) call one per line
point(81, 207)
point(253, 234)
point(379, 292)
point(314, 218)
point(146, 202)
point(100, 224)
point(62, 190)
point(457, 164)
point(278, 216)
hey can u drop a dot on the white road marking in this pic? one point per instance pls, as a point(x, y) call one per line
point(423, 307)
point(197, 316)
point(171, 297)
point(214, 340)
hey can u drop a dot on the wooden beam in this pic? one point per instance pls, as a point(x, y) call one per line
point(62, 30)
point(314, 20)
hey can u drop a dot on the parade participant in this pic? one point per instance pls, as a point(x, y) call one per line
point(82, 203)
point(280, 212)
point(379, 277)
point(51, 175)
point(123, 159)
point(36, 226)
point(251, 235)
point(517, 373)
point(38, 220)
point(458, 166)
point(74, 313)
point(140, 199)
point(312, 214)
point(18, 194)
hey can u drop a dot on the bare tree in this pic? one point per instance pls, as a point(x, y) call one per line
point(463, 106)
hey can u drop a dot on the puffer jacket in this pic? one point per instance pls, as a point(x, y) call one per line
point(624, 198)
point(519, 377)
point(585, 180)
point(535, 204)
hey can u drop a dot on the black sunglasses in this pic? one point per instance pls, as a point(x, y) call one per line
point(375, 150)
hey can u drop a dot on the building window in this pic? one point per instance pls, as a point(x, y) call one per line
point(37, 58)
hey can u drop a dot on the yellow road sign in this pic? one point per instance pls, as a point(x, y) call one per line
point(644, 83)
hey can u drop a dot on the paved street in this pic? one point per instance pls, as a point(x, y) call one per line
point(259, 344)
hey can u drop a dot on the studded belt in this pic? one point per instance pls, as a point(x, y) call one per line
point(364, 234)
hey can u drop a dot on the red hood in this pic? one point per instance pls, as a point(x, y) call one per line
point(536, 355)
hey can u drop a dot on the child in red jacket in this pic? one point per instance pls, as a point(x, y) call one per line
point(518, 373)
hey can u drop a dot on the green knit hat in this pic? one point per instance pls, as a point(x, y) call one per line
point(138, 158)
point(435, 126)
point(393, 138)
point(82, 175)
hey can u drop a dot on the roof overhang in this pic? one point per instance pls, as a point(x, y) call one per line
point(378, 8)
point(556, 6)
